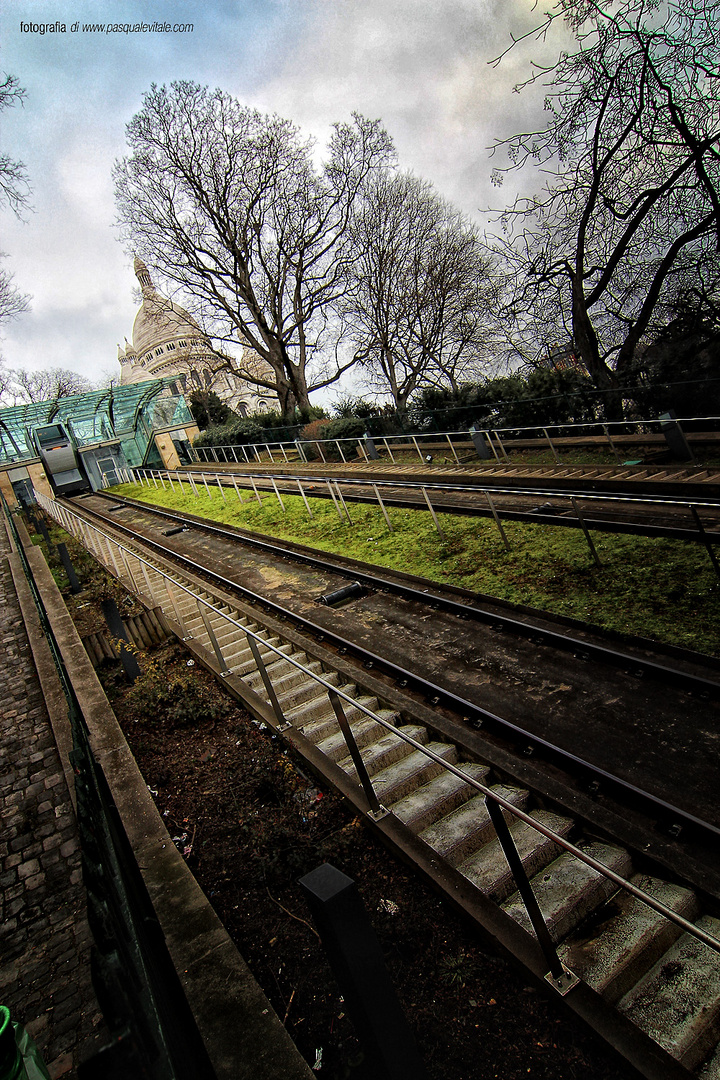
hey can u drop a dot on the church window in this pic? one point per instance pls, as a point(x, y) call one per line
point(158, 352)
point(182, 344)
point(170, 347)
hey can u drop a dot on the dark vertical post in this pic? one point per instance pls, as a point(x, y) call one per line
point(480, 443)
point(370, 448)
point(705, 539)
point(44, 533)
point(357, 962)
point(69, 569)
point(118, 631)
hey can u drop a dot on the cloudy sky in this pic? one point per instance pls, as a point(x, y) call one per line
point(420, 65)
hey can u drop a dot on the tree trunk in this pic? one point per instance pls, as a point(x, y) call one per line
point(586, 343)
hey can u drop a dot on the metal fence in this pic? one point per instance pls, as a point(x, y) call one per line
point(490, 443)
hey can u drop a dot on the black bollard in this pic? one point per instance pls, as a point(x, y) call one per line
point(44, 533)
point(69, 569)
point(118, 631)
point(357, 962)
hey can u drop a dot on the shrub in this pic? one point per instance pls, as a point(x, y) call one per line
point(179, 701)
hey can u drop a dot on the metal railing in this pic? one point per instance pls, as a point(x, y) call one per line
point(553, 437)
point(102, 544)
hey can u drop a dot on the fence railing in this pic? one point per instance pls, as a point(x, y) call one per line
point(161, 585)
point(612, 435)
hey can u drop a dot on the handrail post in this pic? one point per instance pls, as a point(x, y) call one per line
point(307, 504)
point(432, 511)
point(705, 539)
point(457, 459)
point(559, 976)
point(499, 524)
point(552, 446)
point(282, 720)
point(377, 810)
point(224, 669)
point(382, 507)
point(178, 616)
point(581, 518)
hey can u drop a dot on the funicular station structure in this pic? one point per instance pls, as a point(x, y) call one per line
point(83, 441)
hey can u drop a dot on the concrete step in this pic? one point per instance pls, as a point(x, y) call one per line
point(402, 777)
point(432, 801)
point(625, 937)
point(288, 682)
point(488, 868)
point(468, 828)
point(711, 1068)
point(316, 719)
point(283, 674)
point(677, 1002)
point(387, 750)
point(568, 890)
point(242, 661)
point(365, 730)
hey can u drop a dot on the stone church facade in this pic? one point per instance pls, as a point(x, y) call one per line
point(167, 343)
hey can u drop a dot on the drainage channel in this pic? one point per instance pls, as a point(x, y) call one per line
point(627, 949)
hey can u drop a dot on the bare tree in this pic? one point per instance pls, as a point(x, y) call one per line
point(633, 197)
point(419, 289)
point(14, 183)
point(14, 193)
point(48, 384)
point(228, 204)
point(12, 301)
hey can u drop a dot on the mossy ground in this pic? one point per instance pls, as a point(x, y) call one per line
point(665, 590)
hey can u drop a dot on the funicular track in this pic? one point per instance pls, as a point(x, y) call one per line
point(675, 503)
point(649, 983)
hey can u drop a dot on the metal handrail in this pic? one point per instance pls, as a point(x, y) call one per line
point(488, 793)
point(541, 431)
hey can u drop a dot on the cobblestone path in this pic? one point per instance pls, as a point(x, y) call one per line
point(44, 936)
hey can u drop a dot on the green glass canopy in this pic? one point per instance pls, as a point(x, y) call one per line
point(125, 414)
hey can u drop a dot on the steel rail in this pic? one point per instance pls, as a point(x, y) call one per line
point(487, 792)
point(566, 643)
point(569, 761)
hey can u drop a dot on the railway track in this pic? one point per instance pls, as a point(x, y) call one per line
point(606, 880)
